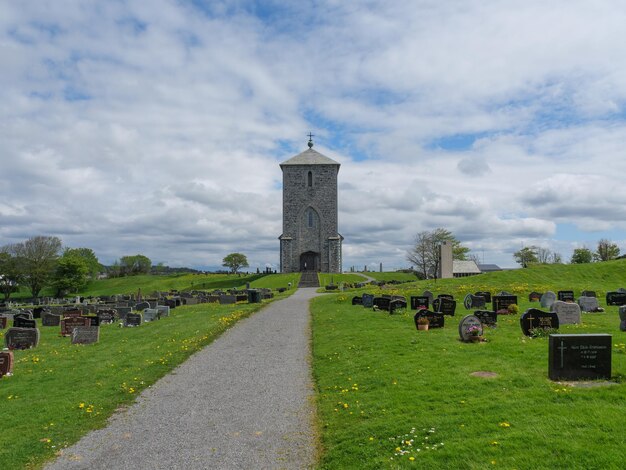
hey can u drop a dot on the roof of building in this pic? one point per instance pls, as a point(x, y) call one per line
point(489, 267)
point(310, 157)
point(469, 267)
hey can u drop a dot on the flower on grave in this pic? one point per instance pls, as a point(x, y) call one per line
point(474, 330)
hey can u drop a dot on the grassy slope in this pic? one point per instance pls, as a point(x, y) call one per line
point(378, 378)
point(392, 276)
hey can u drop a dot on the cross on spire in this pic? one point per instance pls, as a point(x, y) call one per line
point(311, 140)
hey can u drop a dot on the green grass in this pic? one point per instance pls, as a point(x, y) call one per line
point(327, 278)
point(392, 276)
point(40, 405)
point(378, 378)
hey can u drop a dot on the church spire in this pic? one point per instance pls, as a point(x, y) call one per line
point(310, 144)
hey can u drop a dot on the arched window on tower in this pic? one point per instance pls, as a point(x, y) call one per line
point(310, 216)
point(310, 179)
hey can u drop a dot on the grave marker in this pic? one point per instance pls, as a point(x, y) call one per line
point(3, 322)
point(419, 302)
point(588, 304)
point(21, 338)
point(164, 310)
point(579, 357)
point(473, 301)
point(69, 323)
point(615, 298)
point(468, 326)
point(565, 295)
point(85, 335)
point(534, 296)
point(428, 294)
point(50, 319)
point(150, 314)
point(6, 363)
point(568, 312)
point(132, 319)
point(588, 293)
point(444, 306)
point(500, 303)
point(548, 299)
point(435, 320)
point(534, 318)
point(486, 295)
point(487, 317)
point(21, 322)
point(368, 300)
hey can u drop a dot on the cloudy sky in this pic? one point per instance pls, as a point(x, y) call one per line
point(157, 126)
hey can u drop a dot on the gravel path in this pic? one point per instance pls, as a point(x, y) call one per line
point(243, 402)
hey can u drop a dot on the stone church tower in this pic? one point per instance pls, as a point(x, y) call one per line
point(310, 241)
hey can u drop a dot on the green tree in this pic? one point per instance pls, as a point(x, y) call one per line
point(88, 256)
point(607, 250)
point(235, 261)
point(71, 274)
point(581, 255)
point(10, 276)
point(134, 265)
point(37, 258)
point(424, 254)
point(526, 256)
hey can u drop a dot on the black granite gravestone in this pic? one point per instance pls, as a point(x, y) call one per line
point(435, 320)
point(486, 295)
point(534, 319)
point(444, 306)
point(357, 300)
point(615, 298)
point(580, 357)
point(368, 300)
point(419, 302)
point(500, 303)
point(487, 317)
point(565, 295)
point(382, 302)
point(133, 319)
point(6, 362)
point(21, 338)
point(21, 322)
point(473, 301)
point(534, 296)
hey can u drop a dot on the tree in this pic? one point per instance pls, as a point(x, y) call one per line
point(234, 261)
point(88, 256)
point(556, 258)
point(607, 250)
point(581, 255)
point(134, 265)
point(526, 256)
point(10, 275)
point(425, 251)
point(70, 274)
point(543, 255)
point(37, 258)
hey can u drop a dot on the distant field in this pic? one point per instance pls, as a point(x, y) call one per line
point(390, 396)
point(392, 276)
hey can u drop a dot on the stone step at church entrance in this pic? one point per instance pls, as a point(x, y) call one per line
point(309, 279)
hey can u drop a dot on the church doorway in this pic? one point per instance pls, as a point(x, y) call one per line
point(309, 261)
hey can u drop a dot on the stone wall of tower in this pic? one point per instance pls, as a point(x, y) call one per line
point(301, 194)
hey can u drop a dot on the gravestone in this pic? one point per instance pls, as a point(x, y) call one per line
point(579, 357)
point(141, 306)
point(419, 301)
point(534, 318)
point(94, 320)
point(107, 315)
point(6, 363)
point(467, 324)
point(21, 338)
point(23, 316)
point(534, 296)
point(568, 312)
point(615, 298)
point(428, 294)
point(85, 335)
point(588, 293)
point(435, 320)
point(50, 319)
point(473, 301)
point(164, 310)
point(123, 311)
point(3, 322)
point(486, 295)
point(133, 319)
point(445, 296)
point(382, 302)
point(73, 313)
point(547, 299)
point(444, 306)
point(150, 314)
point(69, 323)
point(500, 303)
point(621, 290)
point(227, 299)
point(357, 300)
point(487, 317)
point(504, 292)
point(565, 295)
point(368, 300)
point(21, 322)
point(622, 317)
point(396, 304)
point(588, 304)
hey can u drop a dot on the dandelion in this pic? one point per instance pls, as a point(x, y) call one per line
point(81, 405)
point(411, 458)
point(504, 424)
point(371, 438)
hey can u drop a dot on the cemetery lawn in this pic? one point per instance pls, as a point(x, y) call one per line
point(59, 391)
point(390, 396)
point(336, 279)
